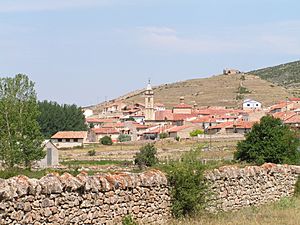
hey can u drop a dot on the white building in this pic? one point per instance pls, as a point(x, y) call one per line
point(51, 158)
point(250, 104)
point(69, 139)
point(87, 112)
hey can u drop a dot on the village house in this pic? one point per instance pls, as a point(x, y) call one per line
point(183, 132)
point(51, 159)
point(105, 131)
point(237, 127)
point(182, 108)
point(231, 71)
point(87, 112)
point(69, 139)
point(250, 104)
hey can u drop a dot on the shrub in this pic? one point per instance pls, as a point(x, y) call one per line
point(195, 133)
point(187, 187)
point(146, 156)
point(106, 140)
point(269, 141)
point(124, 138)
point(177, 138)
point(163, 135)
point(92, 152)
point(128, 220)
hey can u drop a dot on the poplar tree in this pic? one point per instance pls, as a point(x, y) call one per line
point(20, 136)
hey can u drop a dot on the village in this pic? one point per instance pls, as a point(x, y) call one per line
point(139, 123)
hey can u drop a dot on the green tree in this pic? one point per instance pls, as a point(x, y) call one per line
point(146, 156)
point(20, 136)
point(163, 135)
point(269, 141)
point(195, 133)
point(55, 117)
point(124, 138)
point(106, 140)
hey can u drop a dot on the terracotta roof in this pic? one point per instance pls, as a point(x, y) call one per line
point(180, 117)
point(164, 115)
point(182, 106)
point(294, 99)
point(239, 124)
point(284, 115)
point(70, 134)
point(178, 128)
point(104, 130)
point(204, 119)
point(293, 119)
point(100, 120)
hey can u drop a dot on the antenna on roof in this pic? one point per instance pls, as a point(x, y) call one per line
point(149, 80)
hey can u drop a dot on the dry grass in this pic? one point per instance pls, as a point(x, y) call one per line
point(285, 212)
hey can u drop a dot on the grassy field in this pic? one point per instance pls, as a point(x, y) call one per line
point(219, 150)
point(284, 212)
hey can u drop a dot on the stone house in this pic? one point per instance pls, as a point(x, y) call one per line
point(69, 139)
point(182, 132)
point(106, 131)
point(52, 155)
point(250, 104)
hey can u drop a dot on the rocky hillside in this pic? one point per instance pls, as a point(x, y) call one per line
point(287, 75)
point(221, 90)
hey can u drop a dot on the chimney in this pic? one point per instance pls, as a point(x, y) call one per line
point(181, 100)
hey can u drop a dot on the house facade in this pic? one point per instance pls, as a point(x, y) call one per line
point(250, 104)
point(69, 139)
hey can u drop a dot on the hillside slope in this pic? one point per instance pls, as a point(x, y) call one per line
point(287, 75)
point(221, 90)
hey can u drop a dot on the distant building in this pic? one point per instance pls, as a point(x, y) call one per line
point(51, 158)
point(231, 72)
point(149, 103)
point(69, 139)
point(250, 104)
point(182, 108)
point(87, 112)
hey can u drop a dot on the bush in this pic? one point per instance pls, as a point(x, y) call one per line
point(177, 138)
point(187, 187)
point(163, 135)
point(124, 138)
point(106, 140)
point(146, 156)
point(92, 152)
point(269, 141)
point(195, 133)
point(128, 220)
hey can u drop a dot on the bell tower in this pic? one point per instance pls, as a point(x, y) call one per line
point(149, 103)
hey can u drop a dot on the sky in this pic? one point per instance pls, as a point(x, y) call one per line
point(86, 51)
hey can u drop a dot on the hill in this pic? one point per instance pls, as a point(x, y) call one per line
point(220, 90)
point(287, 75)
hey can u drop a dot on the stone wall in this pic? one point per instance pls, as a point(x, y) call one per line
point(106, 199)
point(233, 188)
point(98, 199)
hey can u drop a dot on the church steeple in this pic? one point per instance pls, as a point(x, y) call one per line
point(149, 102)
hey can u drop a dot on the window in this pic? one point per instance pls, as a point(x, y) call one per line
point(256, 104)
point(248, 105)
point(59, 140)
point(75, 139)
point(67, 140)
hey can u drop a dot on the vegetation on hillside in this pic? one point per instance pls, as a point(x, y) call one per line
point(269, 141)
point(285, 74)
point(147, 156)
point(55, 117)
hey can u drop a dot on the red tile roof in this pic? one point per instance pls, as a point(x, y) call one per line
point(182, 106)
point(284, 115)
point(178, 128)
point(293, 119)
point(239, 124)
point(104, 130)
point(100, 120)
point(70, 135)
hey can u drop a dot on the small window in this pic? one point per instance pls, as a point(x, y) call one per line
point(256, 104)
point(59, 140)
point(248, 105)
point(75, 139)
point(67, 140)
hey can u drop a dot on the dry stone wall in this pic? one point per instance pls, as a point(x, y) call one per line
point(233, 188)
point(99, 199)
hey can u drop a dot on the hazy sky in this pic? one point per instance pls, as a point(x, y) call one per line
point(79, 51)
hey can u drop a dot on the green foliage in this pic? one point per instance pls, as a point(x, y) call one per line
point(163, 135)
point(20, 136)
point(269, 141)
point(124, 138)
point(195, 133)
point(188, 189)
point(146, 156)
point(130, 119)
point(239, 97)
point(177, 138)
point(92, 152)
point(243, 90)
point(297, 188)
point(55, 117)
point(106, 140)
point(128, 220)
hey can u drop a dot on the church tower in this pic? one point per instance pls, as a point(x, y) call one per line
point(149, 103)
